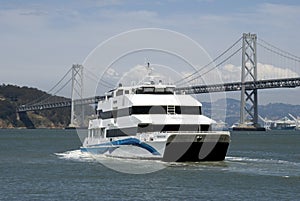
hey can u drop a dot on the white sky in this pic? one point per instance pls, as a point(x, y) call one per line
point(40, 40)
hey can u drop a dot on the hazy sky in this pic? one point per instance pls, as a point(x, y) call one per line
point(40, 40)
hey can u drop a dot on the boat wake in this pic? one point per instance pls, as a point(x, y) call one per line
point(244, 165)
point(273, 161)
point(120, 164)
point(271, 167)
point(76, 155)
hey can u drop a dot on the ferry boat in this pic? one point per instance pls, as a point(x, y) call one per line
point(154, 121)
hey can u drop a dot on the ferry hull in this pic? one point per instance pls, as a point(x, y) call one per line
point(199, 147)
point(195, 153)
point(177, 148)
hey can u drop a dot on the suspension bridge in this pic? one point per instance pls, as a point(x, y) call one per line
point(252, 77)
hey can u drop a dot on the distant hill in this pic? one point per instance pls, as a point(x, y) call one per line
point(13, 96)
point(278, 110)
point(272, 111)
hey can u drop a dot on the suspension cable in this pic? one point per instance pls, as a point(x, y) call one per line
point(54, 94)
point(38, 100)
point(288, 53)
point(294, 58)
point(96, 79)
point(197, 71)
point(219, 64)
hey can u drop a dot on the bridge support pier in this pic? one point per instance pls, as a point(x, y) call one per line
point(249, 101)
point(25, 119)
point(77, 110)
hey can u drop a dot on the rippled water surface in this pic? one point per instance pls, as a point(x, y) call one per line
point(47, 165)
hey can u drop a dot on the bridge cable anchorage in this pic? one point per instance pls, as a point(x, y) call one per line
point(208, 64)
point(219, 64)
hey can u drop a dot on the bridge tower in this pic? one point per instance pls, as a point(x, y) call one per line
point(248, 110)
point(77, 110)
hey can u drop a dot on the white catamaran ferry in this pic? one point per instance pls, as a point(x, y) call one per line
point(152, 121)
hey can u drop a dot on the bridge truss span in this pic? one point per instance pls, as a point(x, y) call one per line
point(237, 86)
point(67, 103)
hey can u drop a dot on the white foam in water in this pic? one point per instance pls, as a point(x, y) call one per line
point(263, 166)
point(76, 155)
point(126, 165)
point(246, 159)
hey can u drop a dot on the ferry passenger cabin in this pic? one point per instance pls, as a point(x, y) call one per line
point(152, 100)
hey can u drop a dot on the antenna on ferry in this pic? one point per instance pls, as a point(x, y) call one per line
point(149, 75)
point(149, 69)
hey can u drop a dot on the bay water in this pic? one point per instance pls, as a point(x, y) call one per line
point(46, 164)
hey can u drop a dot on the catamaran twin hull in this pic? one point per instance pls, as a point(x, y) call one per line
point(178, 147)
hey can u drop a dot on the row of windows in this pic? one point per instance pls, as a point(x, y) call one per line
point(191, 110)
point(143, 128)
point(147, 90)
point(121, 91)
point(196, 110)
point(153, 90)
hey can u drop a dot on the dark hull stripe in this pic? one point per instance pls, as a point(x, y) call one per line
point(186, 110)
point(144, 128)
point(190, 152)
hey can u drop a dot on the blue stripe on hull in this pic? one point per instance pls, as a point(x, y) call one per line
point(102, 148)
point(138, 143)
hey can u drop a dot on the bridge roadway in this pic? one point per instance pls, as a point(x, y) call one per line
point(237, 86)
point(60, 104)
point(234, 86)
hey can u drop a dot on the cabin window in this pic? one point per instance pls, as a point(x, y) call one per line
point(122, 112)
point(126, 91)
point(105, 115)
point(205, 127)
point(97, 133)
point(153, 90)
point(119, 92)
point(191, 110)
point(156, 109)
point(147, 90)
point(194, 110)
point(114, 113)
point(143, 128)
point(169, 90)
point(159, 90)
point(149, 110)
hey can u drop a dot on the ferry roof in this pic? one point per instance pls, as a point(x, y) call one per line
point(145, 88)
